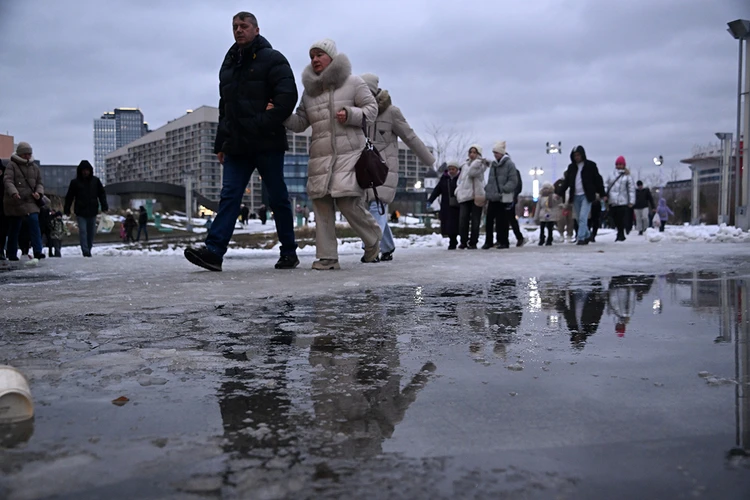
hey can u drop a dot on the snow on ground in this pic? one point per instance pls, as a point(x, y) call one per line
point(703, 233)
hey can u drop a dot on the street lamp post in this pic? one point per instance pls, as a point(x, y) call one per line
point(535, 173)
point(740, 30)
point(659, 161)
point(554, 149)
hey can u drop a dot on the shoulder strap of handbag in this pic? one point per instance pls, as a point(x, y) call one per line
point(33, 190)
point(614, 182)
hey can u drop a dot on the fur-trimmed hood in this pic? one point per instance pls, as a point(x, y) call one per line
point(384, 101)
point(332, 77)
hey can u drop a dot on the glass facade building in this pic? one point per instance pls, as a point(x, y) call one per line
point(114, 130)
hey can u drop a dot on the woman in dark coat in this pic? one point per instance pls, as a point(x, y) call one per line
point(446, 189)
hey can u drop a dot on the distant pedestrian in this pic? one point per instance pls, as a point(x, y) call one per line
point(336, 104)
point(664, 212)
point(130, 225)
point(470, 194)
point(644, 206)
point(501, 188)
point(22, 182)
point(449, 207)
point(45, 217)
point(513, 219)
point(306, 214)
point(3, 219)
point(300, 215)
point(547, 213)
point(142, 223)
point(86, 196)
point(584, 182)
point(208, 223)
point(385, 132)
point(244, 214)
point(621, 196)
point(565, 224)
point(57, 233)
point(263, 214)
point(251, 136)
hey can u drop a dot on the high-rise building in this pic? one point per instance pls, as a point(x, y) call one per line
point(113, 130)
point(410, 169)
point(7, 147)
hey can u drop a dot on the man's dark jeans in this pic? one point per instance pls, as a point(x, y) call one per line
point(237, 172)
point(86, 232)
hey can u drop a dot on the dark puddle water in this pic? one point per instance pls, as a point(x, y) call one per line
point(533, 389)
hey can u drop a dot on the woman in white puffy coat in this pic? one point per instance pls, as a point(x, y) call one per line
point(334, 103)
point(471, 197)
point(621, 196)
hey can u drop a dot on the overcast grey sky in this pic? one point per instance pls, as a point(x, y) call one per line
point(631, 77)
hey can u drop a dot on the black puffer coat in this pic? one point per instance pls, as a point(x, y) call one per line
point(249, 79)
point(448, 214)
point(593, 183)
point(87, 193)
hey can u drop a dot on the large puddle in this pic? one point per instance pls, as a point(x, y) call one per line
point(534, 389)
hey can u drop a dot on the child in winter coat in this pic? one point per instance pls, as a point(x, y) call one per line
point(664, 212)
point(56, 231)
point(547, 212)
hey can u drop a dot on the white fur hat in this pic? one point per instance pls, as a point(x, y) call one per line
point(326, 45)
point(453, 163)
point(499, 147)
point(477, 147)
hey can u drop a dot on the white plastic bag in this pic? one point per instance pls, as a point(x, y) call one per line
point(656, 222)
point(104, 224)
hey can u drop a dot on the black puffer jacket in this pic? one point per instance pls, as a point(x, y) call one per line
point(590, 178)
point(87, 192)
point(249, 79)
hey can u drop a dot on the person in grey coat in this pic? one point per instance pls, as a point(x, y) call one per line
point(388, 128)
point(500, 192)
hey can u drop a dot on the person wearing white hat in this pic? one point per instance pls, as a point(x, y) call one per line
point(471, 197)
point(501, 187)
point(335, 103)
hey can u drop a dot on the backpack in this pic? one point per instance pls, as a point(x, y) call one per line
point(519, 187)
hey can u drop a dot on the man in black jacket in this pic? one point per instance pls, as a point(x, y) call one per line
point(583, 179)
point(251, 135)
point(644, 205)
point(87, 192)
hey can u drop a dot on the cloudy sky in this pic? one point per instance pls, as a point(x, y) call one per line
point(636, 77)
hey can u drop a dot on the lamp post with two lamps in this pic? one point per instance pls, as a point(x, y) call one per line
point(553, 150)
point(535, 173)
point(659, 161)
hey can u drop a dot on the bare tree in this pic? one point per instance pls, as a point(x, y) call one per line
point(448, 143)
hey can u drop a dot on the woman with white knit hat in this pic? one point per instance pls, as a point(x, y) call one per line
point(334, 103)
point(501, 187)
point(471, 197)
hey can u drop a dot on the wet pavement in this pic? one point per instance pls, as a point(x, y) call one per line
point(635, 384)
